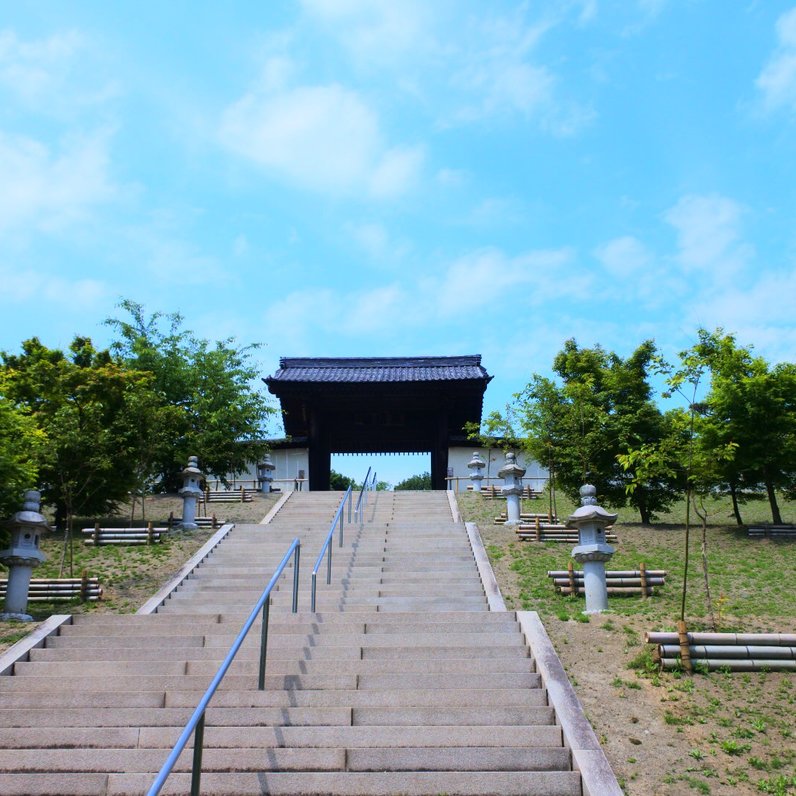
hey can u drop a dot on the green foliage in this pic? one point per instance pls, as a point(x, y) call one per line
point(744, 430)
point(85, 418)
point(601, 410)
point(340, 482)
point(210, 407)
point(415, 482)
point(20, 441)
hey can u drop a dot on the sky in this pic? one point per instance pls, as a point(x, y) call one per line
point(352, 178)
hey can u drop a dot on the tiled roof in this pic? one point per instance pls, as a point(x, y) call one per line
point(380, 369)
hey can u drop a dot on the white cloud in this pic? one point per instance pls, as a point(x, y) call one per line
point(323, 138)
point(33, 69)
point(21, 286)
point(777, 81)
point(491, 278)
point(465, 67)
point(503, 83)
point(375, 240)
point(453, 178)
point(173, 261)
point(51, 190)
point(473, 284)
point(624, 257)
point(758, 312)
point(376, 32)
point(708, 233)
point(639, 278)
point(53, 75)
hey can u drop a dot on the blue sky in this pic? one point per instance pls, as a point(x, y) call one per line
point(347, 178)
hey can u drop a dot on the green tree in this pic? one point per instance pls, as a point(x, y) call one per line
point(90, 414)
point(340, 482)
point(215, 408)
point(422, 482)
point(600, 408)
point(20, 442)
point(751, 406)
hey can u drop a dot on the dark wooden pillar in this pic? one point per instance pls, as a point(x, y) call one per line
point(320, 454)
point(439, 452)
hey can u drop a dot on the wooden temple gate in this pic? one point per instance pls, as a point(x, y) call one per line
point(379, 405)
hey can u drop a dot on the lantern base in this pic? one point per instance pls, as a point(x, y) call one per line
point(13, 617)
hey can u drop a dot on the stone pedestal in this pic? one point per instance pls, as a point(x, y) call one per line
point(265, 473)
point(512, 474)
point(592, 551)
point(191, 492)
point(476, 465)
point(22, 556)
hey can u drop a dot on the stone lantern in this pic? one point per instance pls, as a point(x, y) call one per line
point(475, 465)
point(191, 492)
point(265, 473)
point(512, 474)
point(23, 555)
point(592, 551)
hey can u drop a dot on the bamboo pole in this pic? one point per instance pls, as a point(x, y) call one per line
point(738, 639)
point(735, 665)
point(685, 651)
point(732, 651)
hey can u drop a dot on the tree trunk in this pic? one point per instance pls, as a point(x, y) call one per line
point(735, 508)
point(776, 517)
point(643, 508)
point(703, 517)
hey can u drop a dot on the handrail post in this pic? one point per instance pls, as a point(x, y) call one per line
point(296, 560)
point(314, 584)
point(263, 644)
point(198, 747)
point(341, 529)
point(329, 565)
point(350, 503)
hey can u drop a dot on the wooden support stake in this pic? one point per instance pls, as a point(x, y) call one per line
point(538, 531)
point(242, 494)
point(96, 534)
point(84, 585)
point(643, 573)
point(571, 572)
point(215, 522)
point(149, 533)
point(685, 651)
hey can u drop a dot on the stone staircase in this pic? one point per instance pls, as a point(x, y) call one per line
point(402, 682)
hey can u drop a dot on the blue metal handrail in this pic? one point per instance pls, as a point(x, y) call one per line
point(196, 724)
point(367, 486)
point(327, 545)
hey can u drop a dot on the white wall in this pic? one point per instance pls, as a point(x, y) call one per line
point(288, 462)
point(458, 457)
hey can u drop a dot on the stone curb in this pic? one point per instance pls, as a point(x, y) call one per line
point(156, 600)
point(488, 579)
point(36, 638)
point(587, 755)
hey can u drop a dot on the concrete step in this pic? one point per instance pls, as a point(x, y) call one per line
point(421, 783)
point(289, 736)
point(465, 698)
point(250, 652)
point(129, 666)
point(283, 758)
